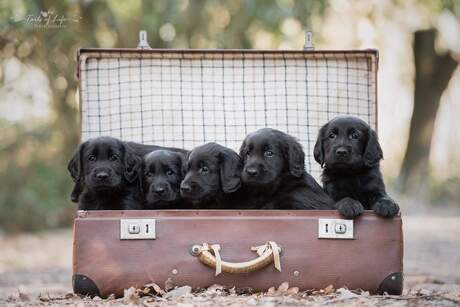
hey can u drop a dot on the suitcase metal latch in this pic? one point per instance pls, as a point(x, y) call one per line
point(335, 229)
point(137, 229)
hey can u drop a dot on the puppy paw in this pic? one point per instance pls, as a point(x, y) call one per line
point(349, 208)
point(386, 207)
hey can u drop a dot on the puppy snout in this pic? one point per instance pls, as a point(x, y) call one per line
point(159, 190)
point(102, 175)
point(252, 171)
point(341, 152)
point(185, 188)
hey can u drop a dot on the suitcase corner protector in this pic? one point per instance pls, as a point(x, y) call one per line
point(84, 285)
point(392, 284)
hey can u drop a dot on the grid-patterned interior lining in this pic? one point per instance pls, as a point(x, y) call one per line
point(185, 99)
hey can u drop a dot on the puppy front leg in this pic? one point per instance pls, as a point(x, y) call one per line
point(385, 206)
point(349, 207)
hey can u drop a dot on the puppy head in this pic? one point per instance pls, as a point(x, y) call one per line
point(210, 170)
point(162, 173)
point(102, 164)
point(348, 143)
point(267, 154)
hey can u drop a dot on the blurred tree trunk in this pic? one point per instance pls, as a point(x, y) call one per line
point(432, 75)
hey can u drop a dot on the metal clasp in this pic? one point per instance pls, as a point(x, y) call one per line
point(308, 41)
point(143, 43)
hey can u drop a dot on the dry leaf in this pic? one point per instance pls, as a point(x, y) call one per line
point(329, 289)
point(153, 289)
point(178, 292)
point(283, 287)
point(43, 298)
point(23, 297)
point(130, 296)
point(293, 290)
point(271, 291)
point(169, 284)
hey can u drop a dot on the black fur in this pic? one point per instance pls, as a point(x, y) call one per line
point(160, 179)
point(349, 152)
point(274, 175)
point(212, 177)
point(105, 172)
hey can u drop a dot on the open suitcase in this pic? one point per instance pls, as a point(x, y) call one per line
point(184, 98)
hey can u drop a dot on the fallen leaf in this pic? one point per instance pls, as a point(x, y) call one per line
point(178, 292)
point(345, 294)
point(283, 287)
point(271, 291)
point(293, 290)
point(152, 289)
point(130, 296)
point(23, 297)
point(169, 284)
point(43, 298)
point(329, 289)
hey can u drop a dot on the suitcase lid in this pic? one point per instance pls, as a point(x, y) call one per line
point(184, 98)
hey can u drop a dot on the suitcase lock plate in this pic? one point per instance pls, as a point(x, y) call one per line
point(335, 229)
point(137, 229)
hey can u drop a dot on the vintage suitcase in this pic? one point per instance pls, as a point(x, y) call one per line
point(183, 98)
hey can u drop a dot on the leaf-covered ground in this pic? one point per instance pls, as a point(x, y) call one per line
point(35, 270)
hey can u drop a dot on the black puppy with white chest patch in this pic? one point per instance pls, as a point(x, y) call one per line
point(349, 152)
point(161, 176)
point(212, 177)
point(274, 174)
point(105, 172)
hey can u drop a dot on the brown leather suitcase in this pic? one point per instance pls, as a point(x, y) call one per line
point(362, 254)
point(184, 98)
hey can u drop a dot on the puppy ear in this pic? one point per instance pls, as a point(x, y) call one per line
point(295, 157)
point(243, 149)
point(132, 163)
point(181, 160)
point(318, 151)
point(75, 164)
point(75, 169)
point(140, 176)
point(230, 170)
point(373, 152)
point(184, 162)
point(77, 190)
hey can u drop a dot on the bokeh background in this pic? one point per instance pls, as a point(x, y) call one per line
point(419, 83)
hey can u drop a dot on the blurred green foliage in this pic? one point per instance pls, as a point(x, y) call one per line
point(35, 186)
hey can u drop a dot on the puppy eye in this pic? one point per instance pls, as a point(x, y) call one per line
point(92, 158)
point(113, 158)
point(354, 135)
point(169, 172)
point(149, 174)
point(332, 135)
point(269, 153)
point(204, 169)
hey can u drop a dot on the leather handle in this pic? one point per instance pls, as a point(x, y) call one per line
point(210, 256)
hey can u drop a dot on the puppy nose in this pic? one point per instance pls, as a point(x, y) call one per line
point(159, 190)
point(102, 175)
point(252, 171)
point(185, 188)
point(341, 152)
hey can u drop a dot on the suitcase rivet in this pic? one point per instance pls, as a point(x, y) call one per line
point(195, 250)
point(296, 273)
point(174, 271)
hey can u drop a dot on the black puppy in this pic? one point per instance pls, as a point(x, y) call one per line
point(161, 176)
point(274, 173)
point(348, 150)
point(212, 177)
point(105, 172)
